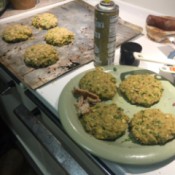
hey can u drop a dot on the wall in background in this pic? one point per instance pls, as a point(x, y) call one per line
point(166, 7)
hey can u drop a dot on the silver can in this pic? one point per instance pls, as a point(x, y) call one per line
point(106, 17)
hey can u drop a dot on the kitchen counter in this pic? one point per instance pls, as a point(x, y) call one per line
point(50, 93)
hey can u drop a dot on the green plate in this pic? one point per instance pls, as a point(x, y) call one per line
point(122, 150)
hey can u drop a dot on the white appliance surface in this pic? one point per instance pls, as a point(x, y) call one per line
point(162, 6)
point(50, 93)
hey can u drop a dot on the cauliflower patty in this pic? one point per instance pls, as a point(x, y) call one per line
point(151, 126)
point(45, 21)
point(16, 33)
point(40, 55)
point(100, 83)
point(142, 89)
point(59, 36)
point(105, 121)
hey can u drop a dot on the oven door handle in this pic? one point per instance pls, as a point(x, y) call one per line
point(48, 140)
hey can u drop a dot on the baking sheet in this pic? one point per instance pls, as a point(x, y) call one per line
point(78, 17)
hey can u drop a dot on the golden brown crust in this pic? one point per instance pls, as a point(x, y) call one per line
point(45, 21)
point(100, 83)
point(40, 55)
point(152, 126)
point(59, 36)
point(105, 121)
point(142, 89)
point(16, 32)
